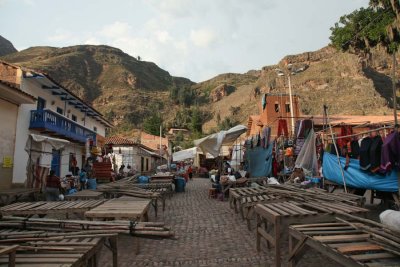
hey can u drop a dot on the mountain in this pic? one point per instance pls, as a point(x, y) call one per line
point(6, 47)
point(348, 84)
point(127, 90)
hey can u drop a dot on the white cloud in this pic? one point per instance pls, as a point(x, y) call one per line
point(61, 36)
point(163, 36)
point(30, 2)
point(116, 30)
point(92, 41)
point(202, 37)
point(175, 8)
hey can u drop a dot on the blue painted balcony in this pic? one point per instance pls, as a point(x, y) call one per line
point(58, 125)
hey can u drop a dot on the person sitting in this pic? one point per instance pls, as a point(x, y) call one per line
point(53, 186)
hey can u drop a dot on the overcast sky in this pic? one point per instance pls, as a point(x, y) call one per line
point(196, 39)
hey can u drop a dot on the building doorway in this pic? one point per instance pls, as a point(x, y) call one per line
point(56, 162)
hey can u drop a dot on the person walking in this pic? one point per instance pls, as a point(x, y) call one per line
point(53, 186)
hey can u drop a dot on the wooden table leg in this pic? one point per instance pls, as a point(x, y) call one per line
point(258, 236)
point(277, 229)
point(114, 249)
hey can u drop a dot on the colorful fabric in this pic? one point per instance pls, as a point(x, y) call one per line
point(282, 128)
point(357, 178)
point(390, 154)
point(53, 181)
point(259, 161)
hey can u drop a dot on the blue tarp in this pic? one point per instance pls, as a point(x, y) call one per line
point(357, 178)
point(259, 161)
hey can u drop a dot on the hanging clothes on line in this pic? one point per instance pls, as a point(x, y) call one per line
point(390, 155)
point(282, 128)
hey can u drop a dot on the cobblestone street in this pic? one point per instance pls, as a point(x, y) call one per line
point(208, 233)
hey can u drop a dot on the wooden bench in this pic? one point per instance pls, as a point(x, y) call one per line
point(50, 207)
point(344, 243)
point(273, 219)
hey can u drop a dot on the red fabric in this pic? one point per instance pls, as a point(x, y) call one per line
point(282, 128)
point(53, 181)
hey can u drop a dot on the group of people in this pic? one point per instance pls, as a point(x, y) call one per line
point(54, 187)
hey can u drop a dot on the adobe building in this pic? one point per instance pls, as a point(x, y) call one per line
point(273, 106)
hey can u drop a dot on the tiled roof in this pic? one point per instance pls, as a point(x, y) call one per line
point(117, 140)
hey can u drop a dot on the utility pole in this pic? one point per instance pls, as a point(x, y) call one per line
point(394, 90)
point(291, 103)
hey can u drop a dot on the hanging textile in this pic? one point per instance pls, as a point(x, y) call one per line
point(282, 128)
point(364, 153)
point(357, 178)
point(264, 101)
point(390, 156)
point(259, 161)
point(266, 135)
point(375, 153)
point(304, 129)
point(307, 158)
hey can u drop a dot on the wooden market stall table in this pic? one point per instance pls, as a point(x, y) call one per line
point(236, 194)
point(346, 243)
point(166, 178)
point(276, 217)
point(8, 196)
point(50, 207)
point(85, 195)
point(123, 208)
point(41, 248)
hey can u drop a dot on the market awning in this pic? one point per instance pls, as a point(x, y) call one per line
point(212, 143)
point(185, 154)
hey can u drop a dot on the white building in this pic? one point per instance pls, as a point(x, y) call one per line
point(57, 113)
point(11, 97)
point(140, 157)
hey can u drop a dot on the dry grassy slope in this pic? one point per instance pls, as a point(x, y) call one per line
point(336, 79)
point(123, 88)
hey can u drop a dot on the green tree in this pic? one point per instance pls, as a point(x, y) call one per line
point(368, 27)
point(196, 120)
point(152, 124)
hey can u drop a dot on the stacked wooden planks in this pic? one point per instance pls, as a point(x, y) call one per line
point(49, 207)
point(134, 228)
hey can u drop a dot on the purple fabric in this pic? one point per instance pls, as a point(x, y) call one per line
point(390, 155)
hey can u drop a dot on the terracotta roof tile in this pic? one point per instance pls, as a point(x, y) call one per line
point(117, 140)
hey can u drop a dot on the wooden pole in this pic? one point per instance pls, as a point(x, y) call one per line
point(336, 149)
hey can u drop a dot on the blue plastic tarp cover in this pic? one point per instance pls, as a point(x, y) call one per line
point(355, 177)
point(259, 161)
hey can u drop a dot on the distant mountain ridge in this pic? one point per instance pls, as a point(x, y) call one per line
point(127, 90)
point(6, 47)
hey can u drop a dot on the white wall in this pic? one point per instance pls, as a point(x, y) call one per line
point(8, 117)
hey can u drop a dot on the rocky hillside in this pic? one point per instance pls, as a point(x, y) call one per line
point(123, 88)
point(346, 83)
point(128, 90)
point(6, 47)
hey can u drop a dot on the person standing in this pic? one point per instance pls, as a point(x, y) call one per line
point(190, 172)
point(53, 186)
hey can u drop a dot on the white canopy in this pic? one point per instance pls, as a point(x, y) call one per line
point(185, 154)
point(212, 143)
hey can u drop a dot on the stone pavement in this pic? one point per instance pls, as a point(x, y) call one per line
point(208, 233)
